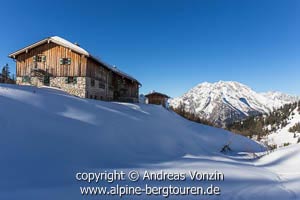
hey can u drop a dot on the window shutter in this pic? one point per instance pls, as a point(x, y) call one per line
point(61, 61)
point(43, 58)
point(69, 61)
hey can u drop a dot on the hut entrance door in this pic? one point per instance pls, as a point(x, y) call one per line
point(46, 80)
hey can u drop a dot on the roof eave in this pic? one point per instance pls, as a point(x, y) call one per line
point(110, 68)
point(164, 95)
point(46, 40)
point(18, 52)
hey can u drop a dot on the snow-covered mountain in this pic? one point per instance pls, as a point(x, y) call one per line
point(280, 97)
point(224, 102)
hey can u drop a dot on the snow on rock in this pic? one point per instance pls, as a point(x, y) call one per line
point(280, 98)
point(224, 102)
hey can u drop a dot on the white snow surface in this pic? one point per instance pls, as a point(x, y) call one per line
point(47, 136)
point(284, 162)
point(230, 100)
point(282, 135)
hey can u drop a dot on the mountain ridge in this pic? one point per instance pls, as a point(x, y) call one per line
point(224, 102)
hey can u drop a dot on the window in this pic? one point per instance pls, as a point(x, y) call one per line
point(65, 61)
point(92, 82)
point(39, 58)
point(101, 85)
point(25, 79)
point(123, 91)
point(71, 79)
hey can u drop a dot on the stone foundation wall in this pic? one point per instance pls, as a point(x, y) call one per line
point(76, 89)
point(19, 81)
point(81, 88)
point(33, 81)
point(95, 92)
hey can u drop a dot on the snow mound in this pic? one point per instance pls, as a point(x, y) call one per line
point(47, 136)
point(119, 133)
point(42, 126)
point(285, 160)
point(285, 163)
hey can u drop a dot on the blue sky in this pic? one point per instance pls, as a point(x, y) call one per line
point(170, 46)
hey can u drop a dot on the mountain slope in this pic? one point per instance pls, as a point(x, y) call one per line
point(47, 136)
point(225, 102)
point(282, 135)
point(279, 128)
point(280, 98)
point(47, 125)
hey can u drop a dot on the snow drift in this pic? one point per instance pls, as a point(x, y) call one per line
point(40, 127)
point(47, 136)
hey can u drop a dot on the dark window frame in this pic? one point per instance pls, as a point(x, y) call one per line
point(65, 61)
point(39, 58)
point(92, 82)
point(71, 79)
point(25, 79)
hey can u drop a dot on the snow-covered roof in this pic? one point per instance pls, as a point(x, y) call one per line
point(63, 42)
point(157, 93)
point(55, 39)
point(66, 43)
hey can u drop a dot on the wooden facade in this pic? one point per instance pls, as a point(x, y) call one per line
point(57, 62)
point(53, 53)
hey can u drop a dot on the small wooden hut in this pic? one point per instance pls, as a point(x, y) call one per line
point(157, 98)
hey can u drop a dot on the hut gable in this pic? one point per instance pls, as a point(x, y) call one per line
point(157, 98)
